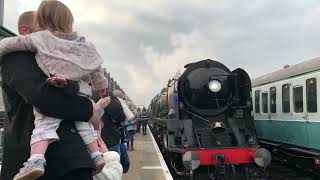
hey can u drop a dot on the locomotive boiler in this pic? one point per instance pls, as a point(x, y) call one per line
point(203, 122)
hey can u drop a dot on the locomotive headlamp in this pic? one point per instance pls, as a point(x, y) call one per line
point(214, 85)
point(217, 124)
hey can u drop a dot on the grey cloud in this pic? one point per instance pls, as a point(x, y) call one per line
point(259, 36)
point(266, 34)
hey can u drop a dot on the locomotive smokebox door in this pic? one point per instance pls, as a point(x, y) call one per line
point(191, 160)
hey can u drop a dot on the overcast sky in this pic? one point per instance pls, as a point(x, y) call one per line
point(145, 42)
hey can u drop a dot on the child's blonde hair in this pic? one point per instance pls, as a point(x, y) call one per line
point(53, 15)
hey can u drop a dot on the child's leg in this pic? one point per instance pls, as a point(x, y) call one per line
point(39, 147)
point(89, 136)
point(43, 133)
point(93, 147)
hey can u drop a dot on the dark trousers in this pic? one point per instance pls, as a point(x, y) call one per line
point(138, 126)
point(144, 127)
point(78, 174)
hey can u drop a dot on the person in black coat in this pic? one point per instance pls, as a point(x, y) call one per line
point(112, 130)
point(24, 86)
point(144, 120)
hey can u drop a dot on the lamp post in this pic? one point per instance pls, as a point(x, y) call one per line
point(1, 11)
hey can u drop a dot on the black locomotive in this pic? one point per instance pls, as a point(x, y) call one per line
point(203, 123)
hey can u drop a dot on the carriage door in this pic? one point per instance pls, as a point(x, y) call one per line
point(311, 100)
point(265, 106)
point(297, 125)
point(273, 103)
point(298, 102)
point(312, 113)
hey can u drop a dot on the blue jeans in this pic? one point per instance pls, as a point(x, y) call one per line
point(115, 148)
point(131, 135)
point(126, 133)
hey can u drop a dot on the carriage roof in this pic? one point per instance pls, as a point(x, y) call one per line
point(295, 70)
point(4, 32)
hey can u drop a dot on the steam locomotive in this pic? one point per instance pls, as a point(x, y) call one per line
point(204, 126)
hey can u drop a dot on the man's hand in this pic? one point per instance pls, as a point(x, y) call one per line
point(102, 145)
point(102, 103)
point(99, 106)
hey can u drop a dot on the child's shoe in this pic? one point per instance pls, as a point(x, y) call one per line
point(32, 169)
point(99, 162)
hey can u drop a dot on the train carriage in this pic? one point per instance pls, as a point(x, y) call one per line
point(287, 113)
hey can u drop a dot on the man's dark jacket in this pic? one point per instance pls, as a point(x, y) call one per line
point(24, 86)
point(112, 119)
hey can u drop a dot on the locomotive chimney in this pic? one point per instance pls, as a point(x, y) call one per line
point(286, 66)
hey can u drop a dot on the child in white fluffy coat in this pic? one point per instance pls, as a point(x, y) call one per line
point(67, 56)
point(113, 169)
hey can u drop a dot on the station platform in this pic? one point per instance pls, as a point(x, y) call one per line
point(146, 161)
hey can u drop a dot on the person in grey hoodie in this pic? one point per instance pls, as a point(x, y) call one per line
point(67, 56)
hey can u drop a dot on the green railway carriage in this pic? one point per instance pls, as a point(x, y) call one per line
point(287, 111)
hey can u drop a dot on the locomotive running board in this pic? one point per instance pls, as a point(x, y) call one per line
point(269, 143)
point(290, 147)
point(305, 151)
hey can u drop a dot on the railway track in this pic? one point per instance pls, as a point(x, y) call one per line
point(278, 171)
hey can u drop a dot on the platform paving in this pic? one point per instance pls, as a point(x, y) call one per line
point(146, 163)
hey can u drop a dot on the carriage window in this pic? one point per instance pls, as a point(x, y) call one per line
point(257, 101)
point(298, 99)
point(285, 98)
point(273, 100)
point(265, 102)
point(311, 95)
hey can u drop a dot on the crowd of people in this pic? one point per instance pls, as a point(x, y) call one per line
point(61, 120)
